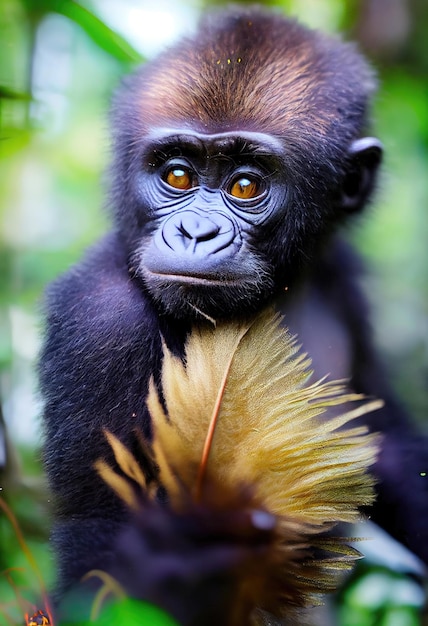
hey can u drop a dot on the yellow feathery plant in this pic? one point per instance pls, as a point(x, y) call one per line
point(242, 409)
point(241, 413)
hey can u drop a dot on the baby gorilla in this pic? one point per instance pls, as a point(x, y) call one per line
point(237, 154)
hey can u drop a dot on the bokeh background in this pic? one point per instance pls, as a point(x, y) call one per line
point(60, 61)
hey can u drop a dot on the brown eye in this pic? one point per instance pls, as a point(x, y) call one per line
point(179, 178)
point(246, 188)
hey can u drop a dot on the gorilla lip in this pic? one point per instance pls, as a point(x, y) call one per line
point(194, 279)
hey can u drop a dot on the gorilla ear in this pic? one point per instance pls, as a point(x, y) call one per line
point(364, 157)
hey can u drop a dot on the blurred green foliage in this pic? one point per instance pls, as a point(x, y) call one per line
point(60, 60)
point(375, 596)
point(124, 611)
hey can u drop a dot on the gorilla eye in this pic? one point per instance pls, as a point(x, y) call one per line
point(179, 178)
point(246, 188)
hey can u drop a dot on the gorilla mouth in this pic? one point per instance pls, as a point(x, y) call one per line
point(195, 280)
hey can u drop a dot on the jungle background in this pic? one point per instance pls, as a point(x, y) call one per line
point(60, 62)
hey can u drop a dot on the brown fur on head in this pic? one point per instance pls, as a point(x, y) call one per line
point(251, 70)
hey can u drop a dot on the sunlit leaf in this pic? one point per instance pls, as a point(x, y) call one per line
point(105, 37)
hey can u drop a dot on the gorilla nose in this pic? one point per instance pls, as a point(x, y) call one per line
point(197, 227)
point(192, 233)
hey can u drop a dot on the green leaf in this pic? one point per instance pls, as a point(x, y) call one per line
point(106, 38)
point(9, 94)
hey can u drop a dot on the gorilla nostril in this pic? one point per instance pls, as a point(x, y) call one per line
point(184, 232)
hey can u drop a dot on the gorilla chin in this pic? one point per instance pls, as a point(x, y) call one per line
point(197, 298)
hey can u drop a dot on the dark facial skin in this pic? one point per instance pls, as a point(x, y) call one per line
point(209, 199)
